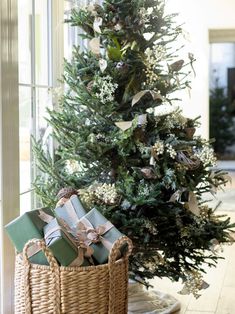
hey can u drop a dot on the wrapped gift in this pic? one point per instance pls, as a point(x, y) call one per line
point(100, 234)
point(71, 211)
point(64, 246)
point(29, 226)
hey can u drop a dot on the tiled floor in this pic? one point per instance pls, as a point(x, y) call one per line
point(219, 298)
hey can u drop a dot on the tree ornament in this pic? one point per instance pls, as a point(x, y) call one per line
point(92, 8)
point(158, 149)
point(142, 120)
point(176, 196)
point(89, 86)
point(192, 162)
point(66, 192)
point(193, 204)
point(124, 125)
point(117, 27)
point(193, 283)
point(189, 132)
point(176, 66)
point(152, 161)
point(122, 67)
point(148, 173)
point(139, 95)
point(62, 201)
point(97, 23)
point(103, 64)
point(94, 45)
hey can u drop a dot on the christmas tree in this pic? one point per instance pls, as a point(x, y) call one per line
point(128, 149)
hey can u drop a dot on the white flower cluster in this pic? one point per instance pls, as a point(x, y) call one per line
point(169, 179)
point(145, 14)
point(106, 88)
point(170, 173)
point(172, 136)
point(158, 148)
point(126, 204)
point(72, 166)
point(107, 193)
point(176, 120)
point(207, 156)
point(151, 227)
point(153, 57)
point(143, 189)
point(171, 151)
point(194, 283)
point(162, 110)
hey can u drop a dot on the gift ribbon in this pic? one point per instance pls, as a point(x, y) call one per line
point(94, 235)
point(69, 209)
point(45, 217)
point(84, 250)
point(34, 249)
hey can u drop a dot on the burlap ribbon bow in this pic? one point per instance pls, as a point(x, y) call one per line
point(84, 250)
point(86, 230)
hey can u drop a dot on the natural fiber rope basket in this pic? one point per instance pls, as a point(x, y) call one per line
point(55, 289)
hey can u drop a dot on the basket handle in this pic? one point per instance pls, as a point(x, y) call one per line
point(114, 253)
point(115, 250)
point(55, 272)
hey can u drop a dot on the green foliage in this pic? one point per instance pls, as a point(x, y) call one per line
point(221, 121)
point(135, 156)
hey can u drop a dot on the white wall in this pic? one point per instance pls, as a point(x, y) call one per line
point(200, 16)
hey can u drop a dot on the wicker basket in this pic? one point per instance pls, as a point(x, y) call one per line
point(55, 289)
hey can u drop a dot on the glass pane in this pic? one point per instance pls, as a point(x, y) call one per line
point(222, 61)
point(71, 34)
point(222, 99)
point(25, 202)
point(24, 37)
point(43, 100)
point(41, 42)
point(25, 118)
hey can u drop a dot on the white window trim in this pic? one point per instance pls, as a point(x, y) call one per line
point(9, 145)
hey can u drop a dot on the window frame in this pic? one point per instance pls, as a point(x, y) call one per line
point(55, 53)
point(9, 142)
point(9, 128)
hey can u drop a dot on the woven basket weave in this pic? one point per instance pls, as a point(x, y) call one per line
point(55, 289)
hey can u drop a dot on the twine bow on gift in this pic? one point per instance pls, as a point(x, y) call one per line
point(84, 250)
point(94, 235)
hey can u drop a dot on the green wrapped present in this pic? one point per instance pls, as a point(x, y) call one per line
point(29, 226)
point(71, 211)
point(63, 245)
point(100, 234)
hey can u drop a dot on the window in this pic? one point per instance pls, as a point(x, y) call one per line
point(222, 92)
point(44, 40)
point(40, 23)
point(222, 64)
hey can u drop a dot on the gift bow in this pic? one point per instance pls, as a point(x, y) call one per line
point(94, 235)
point(84, 250)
